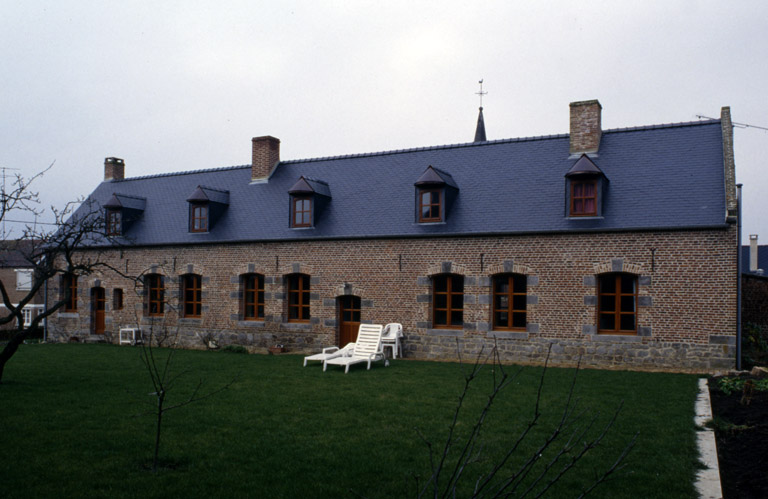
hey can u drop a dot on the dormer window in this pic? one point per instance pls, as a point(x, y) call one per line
point(120, 213)
point(585, 185)
point(309, 197)
point(430, 205)
point(583, 198)
point(206, 206)
point(435, 192)
point(198, 218)
point(114, 222)
point(302, 211)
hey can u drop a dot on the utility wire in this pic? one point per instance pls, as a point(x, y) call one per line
point(740, 125)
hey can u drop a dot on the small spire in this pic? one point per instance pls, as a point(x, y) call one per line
point(480, 130)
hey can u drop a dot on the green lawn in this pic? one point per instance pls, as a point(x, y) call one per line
point(73, 423)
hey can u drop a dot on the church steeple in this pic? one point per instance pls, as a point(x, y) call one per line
point(480, 130)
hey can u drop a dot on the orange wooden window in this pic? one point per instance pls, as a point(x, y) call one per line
point(617, 304)
point(509, 302)
point(253, 297)
point(583, 198)
point(114, 222)
point(69, 285)
point(155, 295)
point(198, 218)
point(448, 301)
point(430, 201)
point(298, 298)
point(302, 211)
point(192, 295)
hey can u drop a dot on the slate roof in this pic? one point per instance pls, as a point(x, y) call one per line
point(661, 177)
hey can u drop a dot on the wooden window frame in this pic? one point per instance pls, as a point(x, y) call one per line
point(199, 217)
point(298, 285)
point(572, 211)
point(253, 297)
point(511, 311)
point(69, 286)
point(617, 313)
point(191, 296)
point(295, 210)
point(431, 205)
point(117, 299)
point(451, 283)
point(154, 287)
point(114, 222)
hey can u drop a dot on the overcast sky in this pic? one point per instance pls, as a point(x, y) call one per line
point(185, 85)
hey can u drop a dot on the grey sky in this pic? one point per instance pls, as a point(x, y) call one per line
point(172, 85)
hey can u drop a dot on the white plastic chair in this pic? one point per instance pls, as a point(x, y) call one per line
point(391, 338)
point(367, 348)
point(331, 353)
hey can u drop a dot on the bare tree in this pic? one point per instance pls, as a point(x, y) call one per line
point(531, 475)
point(49, 252)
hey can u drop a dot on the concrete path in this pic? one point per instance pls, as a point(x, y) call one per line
point(707, 480)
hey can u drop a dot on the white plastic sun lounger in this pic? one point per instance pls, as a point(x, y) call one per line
point(331, 353)
point(367, 348)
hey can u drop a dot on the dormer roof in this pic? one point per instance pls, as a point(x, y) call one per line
point(584, 166)
point(434, 177)
point(308, 186)
point(208, 194)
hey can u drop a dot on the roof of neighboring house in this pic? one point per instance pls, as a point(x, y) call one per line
point(762, 259)
point(13, 253)
point(659, 177)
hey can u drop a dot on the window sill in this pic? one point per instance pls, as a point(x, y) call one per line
point(302, 228)
point(442, 222)
point(297, 325)
point(588, 217)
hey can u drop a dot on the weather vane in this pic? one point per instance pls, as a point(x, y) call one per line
point(481, 93)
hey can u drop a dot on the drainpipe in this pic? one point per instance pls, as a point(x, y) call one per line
point(738, 282)
point(45, 309)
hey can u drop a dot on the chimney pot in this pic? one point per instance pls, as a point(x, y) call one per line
point(114, 169)
point(586, 128)
point(753, 253)
point(266, 154)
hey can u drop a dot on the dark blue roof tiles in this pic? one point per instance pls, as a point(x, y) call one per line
point(660, 177)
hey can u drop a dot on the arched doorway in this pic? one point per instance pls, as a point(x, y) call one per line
point(349, 318)
point(98, 305)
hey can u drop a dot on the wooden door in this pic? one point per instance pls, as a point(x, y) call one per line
point(98, 304)
point(349, 319)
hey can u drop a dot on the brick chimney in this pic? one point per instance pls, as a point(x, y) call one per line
point(114, 169)
point(585, 127)
point(266, 154)
point(753, 253)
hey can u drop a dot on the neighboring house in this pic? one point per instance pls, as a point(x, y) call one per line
point(754, 284)
point(613, 246)
point(16, 273)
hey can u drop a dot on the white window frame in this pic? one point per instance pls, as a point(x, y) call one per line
point(23, 279)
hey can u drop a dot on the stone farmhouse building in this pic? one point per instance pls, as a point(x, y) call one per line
point(616, 246)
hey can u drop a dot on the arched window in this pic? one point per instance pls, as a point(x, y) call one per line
point(617, 303)
point(253, 296)
point(297, 290)
point(448, 301)
point(509, 302)
point(191, 296)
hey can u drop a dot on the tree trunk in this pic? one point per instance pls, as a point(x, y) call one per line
point(10, 349)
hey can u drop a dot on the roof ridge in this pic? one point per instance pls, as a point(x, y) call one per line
point(187, 172)
point(680, 124)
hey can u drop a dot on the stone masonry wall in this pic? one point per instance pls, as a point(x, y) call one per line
point(686, 298)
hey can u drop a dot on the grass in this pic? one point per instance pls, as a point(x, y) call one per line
point(74, 424)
